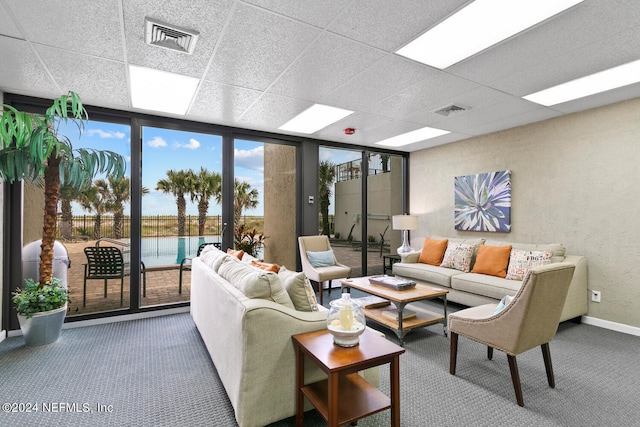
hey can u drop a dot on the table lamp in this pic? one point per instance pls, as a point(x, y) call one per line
point(405, 223)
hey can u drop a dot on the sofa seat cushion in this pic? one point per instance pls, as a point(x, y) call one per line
point(485, 285)
point(433, 274)
point(255, 283)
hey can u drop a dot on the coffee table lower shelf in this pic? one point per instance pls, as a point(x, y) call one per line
point(363, 398)
point(422, 318)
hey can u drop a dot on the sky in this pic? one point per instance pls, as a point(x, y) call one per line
point(165, 149)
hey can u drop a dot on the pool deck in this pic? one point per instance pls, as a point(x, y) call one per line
point(162, 282)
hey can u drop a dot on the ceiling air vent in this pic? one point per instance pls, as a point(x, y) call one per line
point(451, 109)
point(170, 36)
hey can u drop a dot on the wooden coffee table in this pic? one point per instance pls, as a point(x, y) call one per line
point(345, 396)
point(401, 298)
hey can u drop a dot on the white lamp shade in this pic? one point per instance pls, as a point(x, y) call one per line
point(405, 222)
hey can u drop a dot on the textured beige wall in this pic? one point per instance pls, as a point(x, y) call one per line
point(574, 181)
point(281, 245)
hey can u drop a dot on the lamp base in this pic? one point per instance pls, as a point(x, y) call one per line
point(405, 248)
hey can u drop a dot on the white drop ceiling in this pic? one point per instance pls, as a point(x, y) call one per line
point(261, 62)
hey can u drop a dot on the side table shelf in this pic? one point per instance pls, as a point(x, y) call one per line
point(363, 398)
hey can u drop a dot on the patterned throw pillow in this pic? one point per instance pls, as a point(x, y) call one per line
point(520, 262)
point(458, 256)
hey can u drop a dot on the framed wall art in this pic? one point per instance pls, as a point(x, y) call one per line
point(483, 202)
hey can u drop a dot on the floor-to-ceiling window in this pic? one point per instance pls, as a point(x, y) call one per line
point(265, 200)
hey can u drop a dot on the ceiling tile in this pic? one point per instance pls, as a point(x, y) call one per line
point(384, 78)
point(390, 24)
point(96, 80)
point(205, 16)
point(22, 72)
point(257, 47)
point(329, 61)
point(364, 124)
point(272, 111)
point(318, 13)
point(218, 102)
point(66, 25)
point(7, 26)
point(437, 90)
point(508, 122)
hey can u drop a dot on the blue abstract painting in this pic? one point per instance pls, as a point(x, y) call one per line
point(483, 202)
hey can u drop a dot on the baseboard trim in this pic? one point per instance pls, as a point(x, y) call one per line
point(123, 318)
point(606, 324)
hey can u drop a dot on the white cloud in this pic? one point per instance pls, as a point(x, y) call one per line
point(193, 144)
point(251, 159)
point(103, 134)
point(156, 142)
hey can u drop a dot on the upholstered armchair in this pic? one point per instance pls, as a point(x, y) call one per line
point(529, 320)
point(320, 274)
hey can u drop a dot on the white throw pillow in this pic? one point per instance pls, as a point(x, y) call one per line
point(458, 256)
point(299, 289)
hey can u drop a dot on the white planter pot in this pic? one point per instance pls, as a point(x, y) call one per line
point(43, 328)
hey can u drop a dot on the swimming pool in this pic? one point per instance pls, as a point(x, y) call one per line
point(171, 250)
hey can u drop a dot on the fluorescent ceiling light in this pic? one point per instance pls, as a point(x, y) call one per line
point(160, 90)
point(478, 26)
point(413, 136)
point(314, 118)
point(612, 78)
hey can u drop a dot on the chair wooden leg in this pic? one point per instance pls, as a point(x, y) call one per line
point(515, 378)
point(489, 353)
point(320, 292)
point(453, 353)
point(546, 355)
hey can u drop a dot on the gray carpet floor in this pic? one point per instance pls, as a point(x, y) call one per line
point(156, 372)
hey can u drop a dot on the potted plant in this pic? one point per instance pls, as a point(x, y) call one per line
point(32, 149)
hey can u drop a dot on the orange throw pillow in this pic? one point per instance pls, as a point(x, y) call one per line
point(492, 260)
point(433, 251)
point(238, 254)
point(266, 266)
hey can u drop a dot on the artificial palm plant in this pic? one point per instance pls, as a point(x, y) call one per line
point(32, 149)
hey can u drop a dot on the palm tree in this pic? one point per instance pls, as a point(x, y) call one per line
point(32, 147)
point(67, 195)
point(245, 197)
point(177, 183)
point(326, 176)
point(96, 200)
point(204, 185)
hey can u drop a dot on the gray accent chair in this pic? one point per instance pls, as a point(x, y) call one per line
point(530, 320)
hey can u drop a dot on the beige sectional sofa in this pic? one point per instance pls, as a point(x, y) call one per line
point(472, 289)
point(246, 324)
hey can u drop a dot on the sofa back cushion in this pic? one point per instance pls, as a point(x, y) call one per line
point(299, 289)
point(433, 251)
point(492, 260)
point(558, 249)
point(213, 257)
point(255, 283)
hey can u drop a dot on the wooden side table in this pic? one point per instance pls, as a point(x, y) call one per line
point(345, 396)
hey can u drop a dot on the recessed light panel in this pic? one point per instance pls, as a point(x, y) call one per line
point(160, 90)
point(612, 78)
point(478, 26)
point(413, 136)
point(314, 118)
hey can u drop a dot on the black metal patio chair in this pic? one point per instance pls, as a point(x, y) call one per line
point(107, 262)
point(185, 264)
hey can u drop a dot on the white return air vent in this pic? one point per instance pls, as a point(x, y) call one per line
point(451, 109)
point(169, 36)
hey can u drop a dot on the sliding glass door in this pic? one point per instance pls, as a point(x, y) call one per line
point(181, 210)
